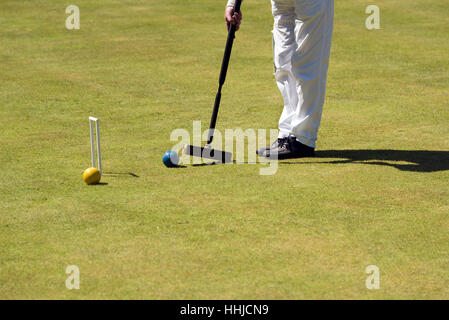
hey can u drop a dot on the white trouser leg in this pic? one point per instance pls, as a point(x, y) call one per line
point(303, 65)
point(284, 44)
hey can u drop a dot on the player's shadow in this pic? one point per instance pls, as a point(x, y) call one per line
point(412, 160)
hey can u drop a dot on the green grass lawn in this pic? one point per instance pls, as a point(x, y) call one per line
point(376, 194)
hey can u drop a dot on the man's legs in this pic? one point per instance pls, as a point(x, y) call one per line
point(301, 43)
point(284, 45)
point(310, 62)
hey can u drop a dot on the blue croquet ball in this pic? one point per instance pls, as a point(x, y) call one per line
point(170, 159)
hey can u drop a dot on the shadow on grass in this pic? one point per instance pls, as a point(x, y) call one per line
point(418, 161)
point(117, 174)
point(99, 184)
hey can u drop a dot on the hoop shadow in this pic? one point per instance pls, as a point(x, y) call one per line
point(121, 174)
point(418, 161)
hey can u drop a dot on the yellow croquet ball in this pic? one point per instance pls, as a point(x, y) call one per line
point(91, 176)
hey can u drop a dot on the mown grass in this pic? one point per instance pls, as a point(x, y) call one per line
point(146, 68)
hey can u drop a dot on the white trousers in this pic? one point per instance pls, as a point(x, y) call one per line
point(302, 37)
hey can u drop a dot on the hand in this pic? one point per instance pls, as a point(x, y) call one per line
point(232, 17)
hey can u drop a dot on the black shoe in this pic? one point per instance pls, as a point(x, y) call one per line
point(279, 141)
point(299, 149)
point(290, 148)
